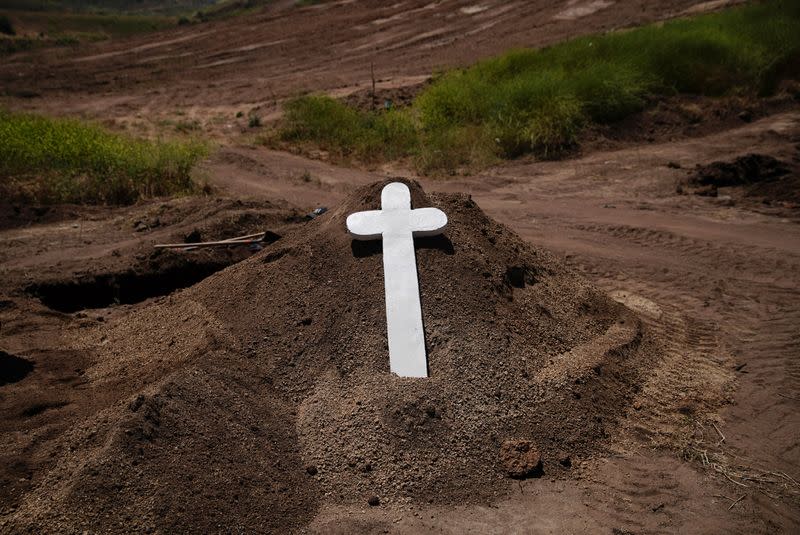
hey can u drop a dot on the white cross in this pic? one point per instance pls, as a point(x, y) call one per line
point(398, 224)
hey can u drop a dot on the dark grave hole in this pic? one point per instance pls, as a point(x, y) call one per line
point(13, 368)
point(153, 279)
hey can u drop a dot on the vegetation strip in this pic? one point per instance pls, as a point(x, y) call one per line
point(537, 101)
point(66, 160)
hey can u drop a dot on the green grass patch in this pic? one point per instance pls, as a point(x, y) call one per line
point(537, 101)
point(50, 160)
point(348, 132)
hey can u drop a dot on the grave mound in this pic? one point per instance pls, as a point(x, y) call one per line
point(256, 396)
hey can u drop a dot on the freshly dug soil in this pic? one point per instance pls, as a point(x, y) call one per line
point(756, 175)
point(385, 98)
point(251, 399)
point(745, 170)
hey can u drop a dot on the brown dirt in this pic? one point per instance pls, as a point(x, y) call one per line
point(285, 356)
point(91, 267)
point(700, 437)
point(752, 177)
point(715, 280)
point(685, 116)
point(385, 97)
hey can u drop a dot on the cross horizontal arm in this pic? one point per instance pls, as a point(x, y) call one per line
point(427, 222)
point(366, 225)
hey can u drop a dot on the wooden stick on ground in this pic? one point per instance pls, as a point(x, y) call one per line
point(259, 235)
point(737, 501)
point(721, 436)
point(205, 244)
point(238, 240)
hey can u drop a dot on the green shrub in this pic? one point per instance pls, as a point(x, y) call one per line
point(346, 131)
point(254, 121)
point(66, 160)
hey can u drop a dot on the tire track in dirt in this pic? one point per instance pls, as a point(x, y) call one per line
point(747, 321)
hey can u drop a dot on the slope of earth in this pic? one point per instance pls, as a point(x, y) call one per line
point(66, 269)
point(216, 69)
point(261, 394)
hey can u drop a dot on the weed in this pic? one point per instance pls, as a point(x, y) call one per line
point(254, 121)
point(346, 131)
point(65, 160)
point(186, 127)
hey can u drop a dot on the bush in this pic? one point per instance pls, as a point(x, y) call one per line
point(348, 132)
point(65, 160)
point(254, 121)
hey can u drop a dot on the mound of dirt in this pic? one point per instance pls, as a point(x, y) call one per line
point(251, 399)
point(758, 175)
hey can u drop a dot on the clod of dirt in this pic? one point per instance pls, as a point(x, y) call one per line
point(755, 175)
point(520, 458)
point(13, 368)
point(374, 501)
point(269, 367)
point(744, 170)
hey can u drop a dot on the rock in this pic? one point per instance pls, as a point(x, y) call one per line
point(724, 200)
point(520, 458)
point(374, 501)
point(311, 470)
point(746, 116)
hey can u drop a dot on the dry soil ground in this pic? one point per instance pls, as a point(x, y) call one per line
point(715, 278)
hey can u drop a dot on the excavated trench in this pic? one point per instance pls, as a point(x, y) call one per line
point(161, 275)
